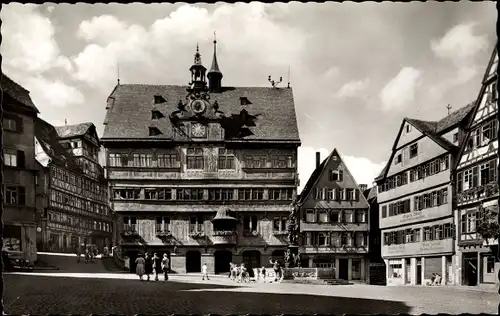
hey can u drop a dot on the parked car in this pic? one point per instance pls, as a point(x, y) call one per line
point(16, 260)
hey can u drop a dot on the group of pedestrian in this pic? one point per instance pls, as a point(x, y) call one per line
point(89, 252)
point(147, 265)
point(238, 273)
point(436, 279)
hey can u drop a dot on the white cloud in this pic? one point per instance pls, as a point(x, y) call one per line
point(459, 44)
point(462, 76)
point(398, 92)
point(102, 29)
point(352, 88)
point(157, 52)
point(30, 44)
point(363, 170)
point(48, 94)
point(332, 73)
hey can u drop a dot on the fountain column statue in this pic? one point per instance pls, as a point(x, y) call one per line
point(292, 254)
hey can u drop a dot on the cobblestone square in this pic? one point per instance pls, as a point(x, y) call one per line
point(64, 293)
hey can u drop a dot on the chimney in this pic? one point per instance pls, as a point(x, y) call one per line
point(318, 159)
point(363, 187)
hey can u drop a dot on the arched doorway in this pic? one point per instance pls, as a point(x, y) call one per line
point(251, 259)
point(279, 255)
point(64, 243)
point(132, 255)
point(222, 260)
point(193, 261)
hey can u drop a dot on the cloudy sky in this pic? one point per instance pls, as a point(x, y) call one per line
point(356, 69)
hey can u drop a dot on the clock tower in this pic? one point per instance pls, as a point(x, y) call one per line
point(198, 79)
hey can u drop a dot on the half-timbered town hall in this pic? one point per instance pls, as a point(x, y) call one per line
point(205, 173)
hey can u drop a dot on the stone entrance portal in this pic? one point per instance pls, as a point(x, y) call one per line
point(193, 261)
point(222, 260)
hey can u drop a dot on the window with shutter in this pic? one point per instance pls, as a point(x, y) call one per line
point(463, 223)
point(20, 159)
point(493, 171)
point(475, 176)
point(384, 211)
point(459, 176)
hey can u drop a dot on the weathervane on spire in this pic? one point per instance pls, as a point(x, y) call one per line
point(448, 107)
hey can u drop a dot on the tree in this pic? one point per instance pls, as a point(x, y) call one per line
point(488, 226)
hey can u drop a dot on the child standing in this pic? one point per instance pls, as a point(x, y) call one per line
point(204, 270)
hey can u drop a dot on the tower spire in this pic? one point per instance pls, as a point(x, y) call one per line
point(198, 81)
point(214, 75)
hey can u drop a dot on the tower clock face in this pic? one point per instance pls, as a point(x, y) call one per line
point(198, 130)
point(198, 106)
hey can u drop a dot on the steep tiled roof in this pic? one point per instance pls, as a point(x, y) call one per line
point(129, 116)
point(16, 92)
point(313, 178)
point(454, 118)
point(47, 136)
point(435, 129)
point(73, 130)
point(370, 193)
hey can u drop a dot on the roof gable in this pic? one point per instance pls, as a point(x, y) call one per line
point(129, 114)
point(48, 139)
point(76, 130)
point(483, 107)
point(430, 129)
point(320, 179)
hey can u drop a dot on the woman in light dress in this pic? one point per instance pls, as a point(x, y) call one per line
point(140, 266)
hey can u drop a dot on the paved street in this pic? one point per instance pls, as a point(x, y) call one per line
point(103, 293)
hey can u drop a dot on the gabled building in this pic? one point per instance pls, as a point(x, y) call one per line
point(20, 174)
point(476, 180)
point(77, 205)
point(334, 223)
point(415, 200)
point(204, 173)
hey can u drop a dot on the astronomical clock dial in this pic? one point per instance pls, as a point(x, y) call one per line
point(198, 106)
point(198, 130)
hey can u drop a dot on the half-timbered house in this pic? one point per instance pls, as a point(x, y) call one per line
point(77, 209)
point(476, 180)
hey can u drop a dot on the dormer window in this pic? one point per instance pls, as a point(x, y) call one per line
point(159, 99)
point(154, 131)
point(455, 138)
point(244, 101)
point(155, 115)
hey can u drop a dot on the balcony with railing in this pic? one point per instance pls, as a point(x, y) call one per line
point(478, 193)
point(129, 231)
point(163, 231)
point(196, 230)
